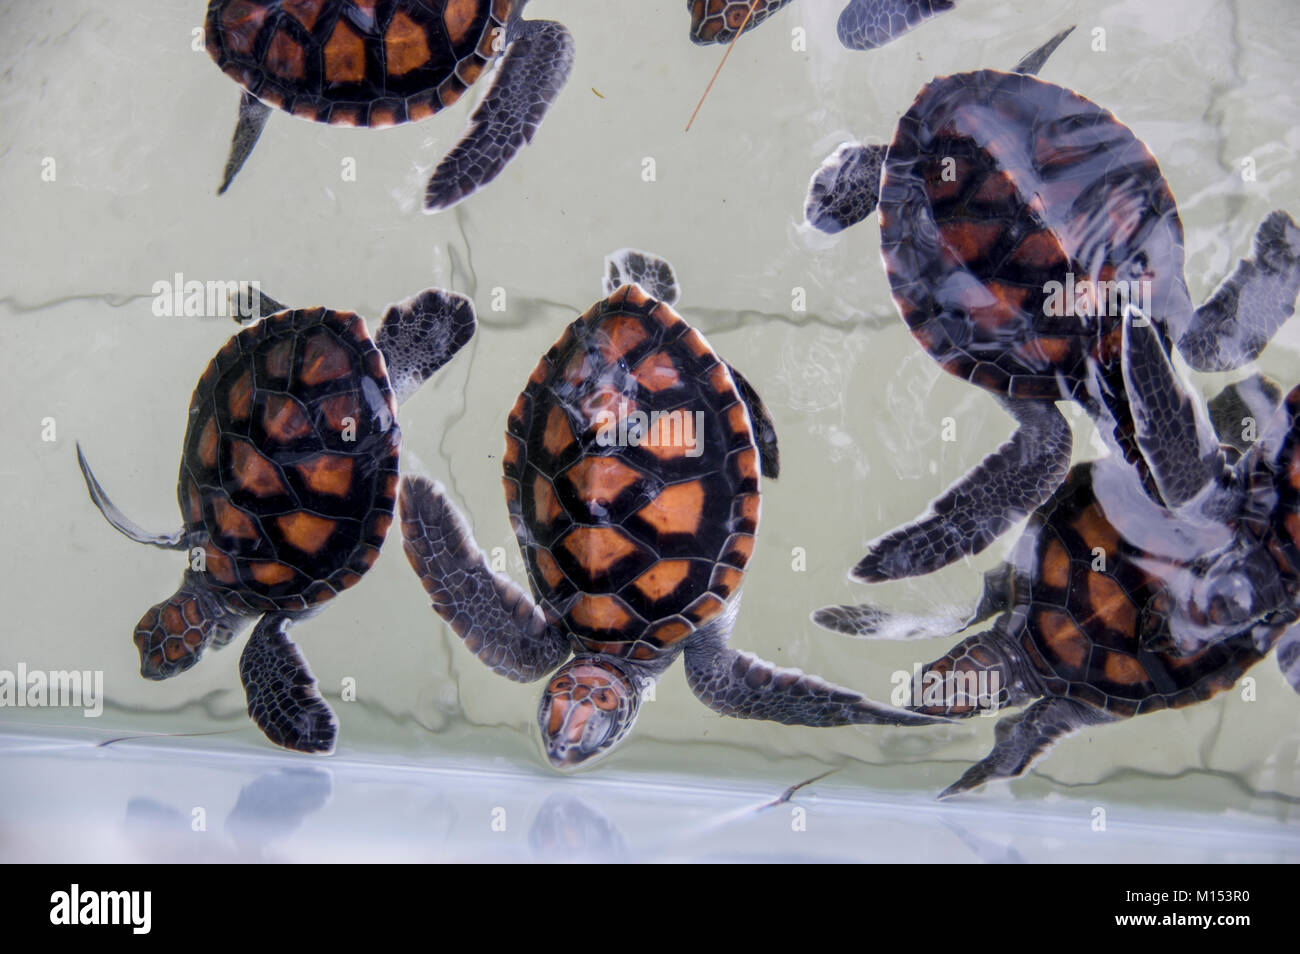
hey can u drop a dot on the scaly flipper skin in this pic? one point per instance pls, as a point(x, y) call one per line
point(1025, 736)
point(1247, 309)
point(867, 24)
point(253, 114)
point(630, 266)
point(975, 511)
point(120, 521)
point(420, 335)
point(537, 63)
point(281, 691)
point(743, 686)
point(1237, 410)
point(845, 188)
point(1171, 425)
point(496, 619)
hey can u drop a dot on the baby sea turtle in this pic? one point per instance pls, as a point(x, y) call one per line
point(287, 483)
point(1092, 594)
point(863, 24)
point(372, 63)
point(632, 468)
point(1018, 220)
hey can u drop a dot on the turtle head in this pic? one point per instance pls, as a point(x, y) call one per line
point(1229, 592)
point(589, 705)
point(172, 635)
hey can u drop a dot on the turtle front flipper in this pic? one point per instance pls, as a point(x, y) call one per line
point(743, 686)
point(495, 618)
point(1023, 737)
point(122, 523)
point(630, 266)
point(536, 65)
point(281, 691)
point(418, 336)
point(253, 114)
point(867, 24)
point(1008, 484)
point(1171, 425)
point(1033, 61)
point(1246, 310)
point(769, 454)
point(845, 189)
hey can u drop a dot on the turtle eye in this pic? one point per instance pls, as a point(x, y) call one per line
point(561, 684)
point(605, 699)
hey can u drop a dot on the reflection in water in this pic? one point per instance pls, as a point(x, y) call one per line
point(273, 805)
point(568, 829)
point(276, 804)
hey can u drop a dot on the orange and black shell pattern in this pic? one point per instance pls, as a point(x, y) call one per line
point(1016, 219)
point(631, 478)
point(1089, 593)
point(289, 469)
point(356, 62)
point(716, 21)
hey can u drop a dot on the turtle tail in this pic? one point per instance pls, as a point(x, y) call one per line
point(173, 634)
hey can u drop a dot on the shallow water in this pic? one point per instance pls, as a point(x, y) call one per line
point(138, 123)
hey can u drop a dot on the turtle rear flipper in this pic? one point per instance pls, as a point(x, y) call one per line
point(873, 622)
point(253, 114)
point(1171, 424)
point(1007, 485)
point(1246, 310)
point(281, 691)
point(867, 24)
point(120, 521)
point(630, 266)
point(743, 686)
point(535, 68)
point(1023, 737)
point(418, 336)
point(495, 618)
point(1237, 410)
point(845, 189)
